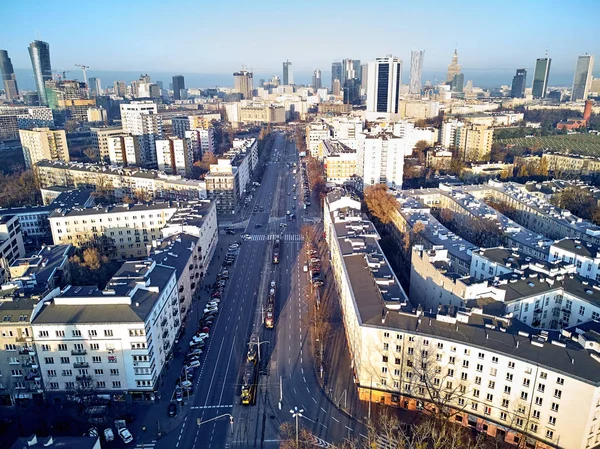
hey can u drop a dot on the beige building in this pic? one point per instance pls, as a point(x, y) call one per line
point(418, 109)
point(101, 136)
point(571, 164)
point(11, 243)
point(262, 114)
point(439, 159)
point(128, 228)
point(476, 142)
point(116, 183)
point(43, 144)
point(124, 150)
point(495, 375)
point(339, 162)
point(174, 156)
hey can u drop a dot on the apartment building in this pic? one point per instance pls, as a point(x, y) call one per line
point(100, 138)
point(497, 375)
point(571, 164)
point(181, 124)
point(140, 118)
point(43, 144)
point(380, 159)
point(11, 243)
point(201, 141)
point(116, 340)
point(127, 228)
point(315, 134)
point(116, 183)
point(174, 156)
point(125, 150)
point(339, 162)
point(584, 256)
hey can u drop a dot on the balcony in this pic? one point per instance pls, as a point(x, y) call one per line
point(165, 333)
point(180, 289)
point(83, 378)
point(79, 352)
point(25, 351)
point(174, 301)
point(166, 345)
point(81, 365)
point(538, 310)
point(181, 299)
point(23, 339)
point(175, 312)
point(163, 322)
point(176, 323)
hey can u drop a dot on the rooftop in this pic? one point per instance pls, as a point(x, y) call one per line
point(583, 249)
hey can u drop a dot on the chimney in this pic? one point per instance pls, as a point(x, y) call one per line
point(587, 110)
point(32, 440)
point(50, 442)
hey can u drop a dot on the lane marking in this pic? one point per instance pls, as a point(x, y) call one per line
point(334, 418)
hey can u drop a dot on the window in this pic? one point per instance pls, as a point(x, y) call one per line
point(397, 361)
point(481, 355)
point(98, 371)
point(549, 434)
point(396, 372)
point(493, 372)
point(581, 310)
point(473, 405)
point(450, 372)
point(70, 385)
point(489, 397)
point(494, 359)
point(503, 416)
point(62, 347)
point(475, 393)
point(51, 373)
point(536, 414)
point(478, 380)
point(114, 372)
point(54, 385)
point(96, 359)
point(451, 360)
point(440, 345)
point(116, 384)
point(386, 346)
point(410, 351)
point(101, 384)
point(64, 360)
point(552, 420)
point(554, 407)
point(49, 360)
point(463, 376)
point(511, 365)
point(538, 400)
point(505, 403)
point(67, 373)
point(557, 393)
point(465, 363)
point(467, 352)
point(398, 348)
point(507, 389)
point(491, 384)
point(384, 370)
point(425, 342)
point(76, 333)
point(479, 367)
point(386, 335)
point(383, 381)
point(45, 348)
point(487, 410)
point(560, 381)
point(509, 377)
point(524, 395)
point(543, 375)
point(384, 359)
point(94, 346)
point(43, 334)
point(533, 427)
point(526, 382)
point(519, 422)
point(92, 333)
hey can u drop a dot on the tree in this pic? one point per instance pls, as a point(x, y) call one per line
point(577, 200)
point(128, 200)
point(380, 202)
point(142, 196)
point(419, 151)
point(19, 189)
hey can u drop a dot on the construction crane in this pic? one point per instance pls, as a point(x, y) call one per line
point(83, 69)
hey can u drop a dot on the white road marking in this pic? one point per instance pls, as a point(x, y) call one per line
point(324, 411)
point(333, 417)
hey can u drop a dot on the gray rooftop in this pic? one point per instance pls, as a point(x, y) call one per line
point(583, 249)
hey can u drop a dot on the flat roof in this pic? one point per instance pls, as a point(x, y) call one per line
point(583, 249)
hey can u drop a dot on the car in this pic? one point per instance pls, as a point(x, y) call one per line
point(189, 360)
point(305, 269)
point(214, 303)
point(178, 394)
point(289, 193)
point(208, 308)
point(262, 208)
point(230, 232)
point(234, 246)
point(195, 352)
point(258, 225)
point(108, 435)
point(193, 364)
point(295, 198)
point(196, 344)
point(288, 212)
point(293, 206)
point(172, 409)
point(282, 225)
point(125, 435)
point(201, 335)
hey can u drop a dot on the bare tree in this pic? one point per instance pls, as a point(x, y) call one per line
point(380, 202)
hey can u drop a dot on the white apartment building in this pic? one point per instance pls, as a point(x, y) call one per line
point(496, 375)
point(174, 156)
point(450, 134)
point(316, 133)
point(125, 150)
point(118, 182)
point(115, 340)
point(380, 159)
point(411, 135)
point(43, 144)
point(584, 256)
point(201, 141)
point(128, 228)
point(100, 137)
point(140, 118)
point(11, 243)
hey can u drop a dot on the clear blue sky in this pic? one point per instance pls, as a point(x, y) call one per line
point(219, 36)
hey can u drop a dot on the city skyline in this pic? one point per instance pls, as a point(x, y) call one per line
point(479, 49)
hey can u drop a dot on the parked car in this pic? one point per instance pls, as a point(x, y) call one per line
point(178, 394)
point(172, 410)
point(109, 435)
point(193, 364)
point(214, 310)
point(258, 225)
point(196, 352)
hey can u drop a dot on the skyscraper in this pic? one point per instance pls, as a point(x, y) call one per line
point(336, 72)
point(39, 52)
point(94, 86)
point(453, 67)
point(120, 88)
point(288, 75)
point(242, 82)
point(383, 91)
point(540, 77)
point(140, 118)
point(518, 84)
point(178, 84)
point(416, 66)
point(350, 70)
point(8, 76)
point(316, 80)
point(582, 78)
point(458, 82)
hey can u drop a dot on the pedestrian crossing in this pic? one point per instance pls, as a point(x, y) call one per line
point(145, 445)
point(202, 407)
point(286, 237)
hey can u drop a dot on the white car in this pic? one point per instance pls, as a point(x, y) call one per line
point(210, 308)
point(193, 364)
point(200, 337)
point(125, 435)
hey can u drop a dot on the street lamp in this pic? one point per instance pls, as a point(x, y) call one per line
point(296, 414)
point(258, 344)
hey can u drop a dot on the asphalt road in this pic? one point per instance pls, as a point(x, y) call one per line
point(287, 368)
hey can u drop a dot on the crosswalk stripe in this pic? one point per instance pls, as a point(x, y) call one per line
point(286, 237)
point(201, 407)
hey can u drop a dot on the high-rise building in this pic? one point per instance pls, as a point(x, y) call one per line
point(140, 118)
point(120, 88)
point(43, 144)
point(352, 91)
point(336, 89)
point(350, 70)
point(583, 77)
point(336, 72)
point(178, 84)
point(94, 86)
point(69, 98)
point(416, 67)
point(458, 82)
point(518, 84)
point(39, 52)
point(174, 156)
point(243, 83)
point(453, 67)
point(8, 76)
point(288, 75)
point(380, 158)
point(540, 77)
point(364, 78)
point(317, 83)
point(383, 91)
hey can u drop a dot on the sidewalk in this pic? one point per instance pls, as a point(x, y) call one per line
point(153, 416)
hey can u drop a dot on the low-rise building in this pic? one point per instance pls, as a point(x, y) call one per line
point(115, 340)
point(267, 113)
point(438, 159)
point(116, 183)
point(11, 243)
point(584, 256)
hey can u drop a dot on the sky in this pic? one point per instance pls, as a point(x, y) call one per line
point(208, 37)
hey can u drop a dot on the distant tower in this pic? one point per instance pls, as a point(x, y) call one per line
point(540, 77)
point(383, 90)
point(587, 111)
point(582, 78)
point(453, 67)
point(518, 84)
point(39, 52)
point(178, 85)
point(288, 75)
point(242, 82)
point(316, 81)
point(94, 86)
point(8, 76)
point(336, 72)
point(416, 66)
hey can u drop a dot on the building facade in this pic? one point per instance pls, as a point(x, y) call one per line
point(540, 77)
point(383, 92)
point(44, 144)
point(39, 53)
point(174, 156)
point(583, 78)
